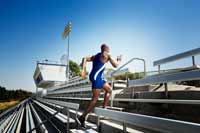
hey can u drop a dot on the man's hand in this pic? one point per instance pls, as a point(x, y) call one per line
point(119, 58)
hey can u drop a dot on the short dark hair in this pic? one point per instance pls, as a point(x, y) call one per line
point(103, 46)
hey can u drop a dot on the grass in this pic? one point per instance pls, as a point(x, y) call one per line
point(7, 104)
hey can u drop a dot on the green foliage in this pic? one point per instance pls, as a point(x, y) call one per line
point(74, 68)
point(13, 94)
point(131, 76)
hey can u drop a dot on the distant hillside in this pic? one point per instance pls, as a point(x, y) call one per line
point(13, 94)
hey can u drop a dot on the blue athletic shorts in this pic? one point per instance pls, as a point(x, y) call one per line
point(98, 83)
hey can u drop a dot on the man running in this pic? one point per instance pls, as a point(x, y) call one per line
point(96, 77)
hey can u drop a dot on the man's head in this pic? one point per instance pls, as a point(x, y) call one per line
point(105, 48)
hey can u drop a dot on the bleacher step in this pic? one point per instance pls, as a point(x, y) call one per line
point(114, 127)
point(83, 131)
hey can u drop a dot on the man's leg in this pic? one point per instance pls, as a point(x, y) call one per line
point(108, 90)
point(92, 103)
point(90, 106)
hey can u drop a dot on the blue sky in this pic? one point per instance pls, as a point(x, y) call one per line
point(31, 30)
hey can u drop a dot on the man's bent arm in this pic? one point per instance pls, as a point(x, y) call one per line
point(86, 59)
point(113, 62)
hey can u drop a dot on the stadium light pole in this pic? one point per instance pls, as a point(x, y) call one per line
point(66, 34)
point(36, 92)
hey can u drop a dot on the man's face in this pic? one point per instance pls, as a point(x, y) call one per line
point(107, 49)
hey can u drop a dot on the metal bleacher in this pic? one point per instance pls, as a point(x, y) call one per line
point(184, 74)
point(12, 119)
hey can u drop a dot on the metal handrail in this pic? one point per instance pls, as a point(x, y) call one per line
point(112, 96)
point(128, 62)
point(191, 53)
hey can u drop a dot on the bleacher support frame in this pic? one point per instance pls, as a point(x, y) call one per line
point(149, 122)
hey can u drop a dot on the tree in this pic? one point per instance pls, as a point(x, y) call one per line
point(2, 92)
point(74, 68)
point(13, 94)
